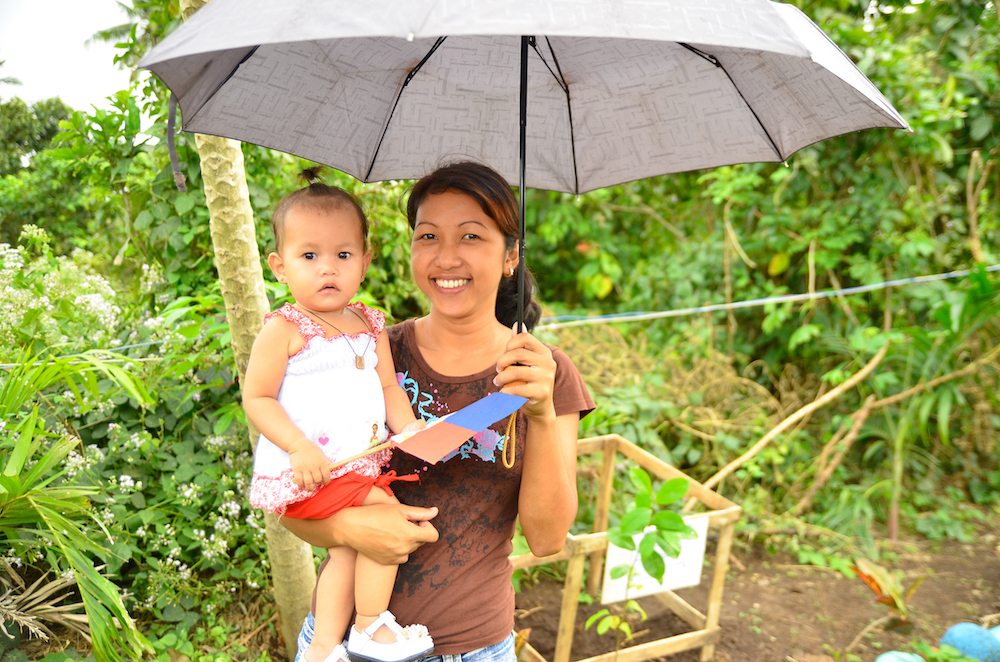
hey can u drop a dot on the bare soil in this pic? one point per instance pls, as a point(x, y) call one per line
point(776, 610)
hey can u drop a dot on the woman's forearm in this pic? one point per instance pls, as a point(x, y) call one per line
point(547, 502)
point(387, 533)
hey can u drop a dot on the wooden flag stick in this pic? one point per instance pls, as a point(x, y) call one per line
point(373, 449)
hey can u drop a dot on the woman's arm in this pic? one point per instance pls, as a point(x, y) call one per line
point(547, 501)
point(387, 533)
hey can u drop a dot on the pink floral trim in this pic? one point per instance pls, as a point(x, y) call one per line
point(309, 329)
point(275, 493)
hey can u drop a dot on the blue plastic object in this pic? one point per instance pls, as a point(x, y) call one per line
point(973, 641)
point(898, 656)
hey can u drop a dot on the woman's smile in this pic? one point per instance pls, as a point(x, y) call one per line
point(451, 283)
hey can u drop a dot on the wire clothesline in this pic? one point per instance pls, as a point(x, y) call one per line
point(565, 321)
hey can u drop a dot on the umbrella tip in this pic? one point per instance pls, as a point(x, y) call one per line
point(409, 36)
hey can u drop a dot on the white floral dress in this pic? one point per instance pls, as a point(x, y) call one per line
point(333, 402)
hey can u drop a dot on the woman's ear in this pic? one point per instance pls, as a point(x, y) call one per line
point(277, 266)
point(510, 262)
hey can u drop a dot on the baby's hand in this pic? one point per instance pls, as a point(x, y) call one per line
point(416, 425)
point(310, 466)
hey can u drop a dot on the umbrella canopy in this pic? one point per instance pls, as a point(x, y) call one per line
point(616, 90)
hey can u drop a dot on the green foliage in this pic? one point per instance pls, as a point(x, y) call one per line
point(27, 130)
point(48, 298)
point(125, 265)
point(659, 530)
point(43, 516)
point(617, 620)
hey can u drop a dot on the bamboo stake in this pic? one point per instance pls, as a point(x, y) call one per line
point(602, 513)
point(567, 615)
point(718, 581)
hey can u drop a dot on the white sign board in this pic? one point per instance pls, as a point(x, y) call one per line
point(682, 572)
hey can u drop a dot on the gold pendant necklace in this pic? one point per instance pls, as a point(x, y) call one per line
point(359, 359)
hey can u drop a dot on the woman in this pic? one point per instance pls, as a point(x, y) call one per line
point(454, 534)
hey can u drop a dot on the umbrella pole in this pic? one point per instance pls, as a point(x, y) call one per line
point(522, 148)
point(510, 443)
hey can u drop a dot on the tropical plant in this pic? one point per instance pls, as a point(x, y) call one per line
point(43, 516)
point(658, 530)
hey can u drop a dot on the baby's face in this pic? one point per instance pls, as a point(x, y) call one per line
point(322, 258)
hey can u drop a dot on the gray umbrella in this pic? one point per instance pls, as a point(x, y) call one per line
point(567, 95)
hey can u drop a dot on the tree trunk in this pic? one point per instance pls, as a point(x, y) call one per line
point(237, 260)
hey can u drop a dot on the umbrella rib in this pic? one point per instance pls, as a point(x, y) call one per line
point(715, 61)
point(222, 82)
point(569, 107)
point(402, 88)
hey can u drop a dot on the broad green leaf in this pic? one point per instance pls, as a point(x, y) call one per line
point(671, 491)
point(669, 521)
point(620, 539)
point(640, 479)
point(635, 520)
point(620, 571)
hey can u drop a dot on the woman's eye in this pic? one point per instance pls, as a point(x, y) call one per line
point(309, 256)
point(470, 235)
point(426, 235)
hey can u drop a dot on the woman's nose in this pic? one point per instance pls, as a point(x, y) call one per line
point(447, 254)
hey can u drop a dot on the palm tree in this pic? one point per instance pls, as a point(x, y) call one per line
point(241, 278)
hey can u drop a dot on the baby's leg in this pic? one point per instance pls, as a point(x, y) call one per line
point(373, 582)
point(334, 603)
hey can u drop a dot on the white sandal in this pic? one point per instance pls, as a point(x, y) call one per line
point(412, 642)
point(338, 654)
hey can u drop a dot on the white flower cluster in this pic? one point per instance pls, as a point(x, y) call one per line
point(188, 493)
point(230, 508)
point(67, 302)
point(127, 484)
point(151, 278)
point(212, 545)
point(106, 312)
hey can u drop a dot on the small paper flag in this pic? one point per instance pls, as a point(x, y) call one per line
point(444, 435)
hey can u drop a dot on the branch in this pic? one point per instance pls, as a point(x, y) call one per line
point(868, 628)
point(972, 191)
point(802, 412)
point(825, 471)
point(937, 381)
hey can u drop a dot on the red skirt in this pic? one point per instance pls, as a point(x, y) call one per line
point(348, 490)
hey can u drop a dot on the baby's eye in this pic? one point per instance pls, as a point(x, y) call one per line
point(309, 255)
point(344, 255)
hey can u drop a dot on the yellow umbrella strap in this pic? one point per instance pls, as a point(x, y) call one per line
point(508, 446)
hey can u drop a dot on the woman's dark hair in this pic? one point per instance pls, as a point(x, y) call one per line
point(316, 195)
point(496, 199)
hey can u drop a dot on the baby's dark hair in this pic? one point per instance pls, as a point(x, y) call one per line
point(316, 195)
point(493, 194)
